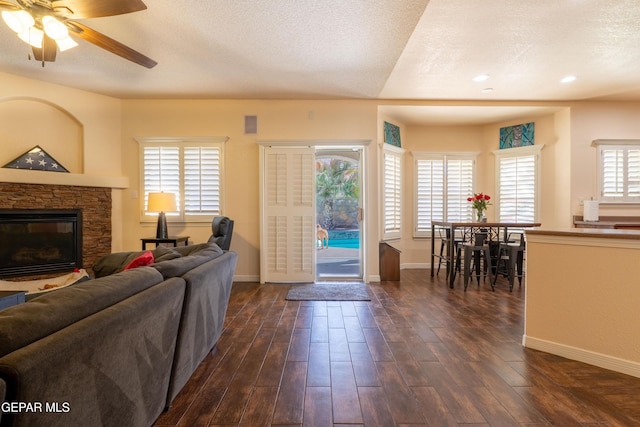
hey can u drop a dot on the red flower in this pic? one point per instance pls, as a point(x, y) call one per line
point(479, 201)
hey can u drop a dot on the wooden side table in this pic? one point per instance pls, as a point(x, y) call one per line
point(11, 298)
point(389, 260)
point(173, 240)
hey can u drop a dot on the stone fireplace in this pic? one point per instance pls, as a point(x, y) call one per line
point(94, 202)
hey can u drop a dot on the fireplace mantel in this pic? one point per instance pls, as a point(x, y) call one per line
point(24, 176)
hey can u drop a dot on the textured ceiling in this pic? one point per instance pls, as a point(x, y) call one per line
point(365, 49)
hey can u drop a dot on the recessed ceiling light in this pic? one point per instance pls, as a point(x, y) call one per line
point(487, 90)
point(480, 77)
point(568, 79)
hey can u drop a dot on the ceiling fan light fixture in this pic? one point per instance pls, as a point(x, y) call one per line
point(19, 20)
point(32, 36)
point(54, 28)
point(66, 43)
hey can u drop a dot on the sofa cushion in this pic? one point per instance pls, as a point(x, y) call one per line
point(163, 253)
point(116, 262)
point(192, 256)
point(33, 295)
point(26, 323)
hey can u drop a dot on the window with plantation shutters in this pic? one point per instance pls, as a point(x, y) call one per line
point(392, 191)
point(190, 168)
point(618, 171)
point(442, 184)
point(201, 180)
point(517, 173)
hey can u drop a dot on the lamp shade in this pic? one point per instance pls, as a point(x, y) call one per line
point(54, 28)
point(19, 21)
point(66, 43)
point(161, 202)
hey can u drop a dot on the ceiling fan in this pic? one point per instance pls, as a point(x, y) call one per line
point(46, 24)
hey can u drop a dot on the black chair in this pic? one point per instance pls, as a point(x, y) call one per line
point(477, 251)
point(445, 241)
point(510, 261)
point(221, 232)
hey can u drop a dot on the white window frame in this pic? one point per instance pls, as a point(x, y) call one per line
point(629, 181)
point(526, 151)
point(424, 230)
point(180, 143)
point(391, 191)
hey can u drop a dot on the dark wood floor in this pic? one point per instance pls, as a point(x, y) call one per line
point(418, 354)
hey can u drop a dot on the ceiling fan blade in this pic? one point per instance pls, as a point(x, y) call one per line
point(48, 51)
point(81, 9)
point(107, 43)
point(5, 5)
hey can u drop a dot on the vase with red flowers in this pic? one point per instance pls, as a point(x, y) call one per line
point(479, 203)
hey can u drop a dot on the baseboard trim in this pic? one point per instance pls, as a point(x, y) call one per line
point(246, 278)
point(415, 266)
point(581, 355)
point(370, 278)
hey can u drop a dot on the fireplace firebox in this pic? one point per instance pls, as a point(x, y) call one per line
point(36, 241)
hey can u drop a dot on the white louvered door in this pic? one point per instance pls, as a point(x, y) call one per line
point(288, 215)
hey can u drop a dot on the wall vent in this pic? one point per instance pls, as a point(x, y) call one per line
point(250, 125)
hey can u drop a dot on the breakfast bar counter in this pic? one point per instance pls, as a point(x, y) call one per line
point(583, 296)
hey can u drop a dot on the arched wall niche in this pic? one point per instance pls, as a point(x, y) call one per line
point(26, 122)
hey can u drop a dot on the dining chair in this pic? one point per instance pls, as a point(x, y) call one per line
point(478, 251)
point(510, 260)
point(444, 235)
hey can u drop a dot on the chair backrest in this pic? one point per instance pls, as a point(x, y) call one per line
point(516, 238)
point(479, 239)
point(444, 233)
point(221, 232)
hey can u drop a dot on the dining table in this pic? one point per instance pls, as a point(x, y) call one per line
point(495, 231)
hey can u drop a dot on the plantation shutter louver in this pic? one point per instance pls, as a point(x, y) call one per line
point(161, 171)
point(430, 193)
point(517, 188)
point(201, 181)
point(392, 195)
point(443, 184)
point(620, 174)
point(459, 188)
point(191, 169)
point(289, 214)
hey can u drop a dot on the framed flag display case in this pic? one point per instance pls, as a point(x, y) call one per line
point(36, 159)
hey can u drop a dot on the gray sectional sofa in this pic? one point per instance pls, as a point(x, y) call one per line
point(117, 349)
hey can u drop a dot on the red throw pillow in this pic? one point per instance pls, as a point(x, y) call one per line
point(141, 260)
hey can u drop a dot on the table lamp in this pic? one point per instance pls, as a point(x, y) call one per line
point(161, 203)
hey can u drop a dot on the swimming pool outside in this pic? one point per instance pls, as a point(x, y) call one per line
point(344, 239)
point(345, 243)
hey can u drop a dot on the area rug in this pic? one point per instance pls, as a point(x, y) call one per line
point(329, 292)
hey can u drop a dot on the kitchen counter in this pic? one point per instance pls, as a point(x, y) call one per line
point(620, 222)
